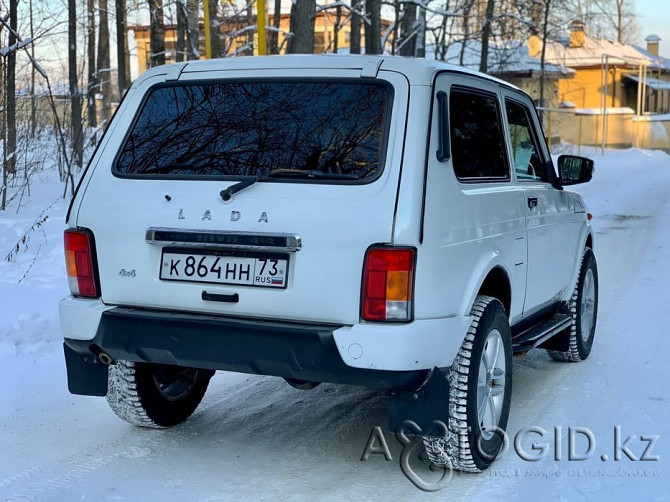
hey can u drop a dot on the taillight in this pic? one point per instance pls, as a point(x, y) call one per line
point(80, 263)
point(388, 279)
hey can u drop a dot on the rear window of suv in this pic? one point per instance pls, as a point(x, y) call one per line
point(334, 129)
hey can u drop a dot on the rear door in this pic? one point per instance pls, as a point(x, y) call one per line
point(290, 246)
point(474, 213)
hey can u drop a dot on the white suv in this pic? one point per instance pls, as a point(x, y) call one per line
point(375, 221)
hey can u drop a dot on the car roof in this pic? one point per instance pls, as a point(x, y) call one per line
point(417, 70)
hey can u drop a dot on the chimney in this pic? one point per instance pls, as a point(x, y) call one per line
point(577, 34)
point(534, 45)
point(652, 44)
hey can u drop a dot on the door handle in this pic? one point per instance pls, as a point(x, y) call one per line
point(532, 202)
point(211, 297)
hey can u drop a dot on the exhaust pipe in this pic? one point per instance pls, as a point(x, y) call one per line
point(105, 358)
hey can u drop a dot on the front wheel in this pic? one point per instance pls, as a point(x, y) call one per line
point(480, 390)
point(155, 395)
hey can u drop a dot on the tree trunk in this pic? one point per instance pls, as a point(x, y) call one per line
point(303, 13)
point(121, 47)
point(407, 44)
point(157, 33)
point(336, 29)
point(3, 130)
point(75, 96)
point(215, 30)
point(545, 29)
point(104, 71)
point(420, 51)
point(33, 103)
point(486, 34)
point(251, 20)
point(10, 164)
point(619, 20)
point(373, 31)
point(193, 39)
point(467, 9)
point(182, 30)
point(355, 34)
point(92, 74)
point(273, 36)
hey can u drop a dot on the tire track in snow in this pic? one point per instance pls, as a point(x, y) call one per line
point(62, 473)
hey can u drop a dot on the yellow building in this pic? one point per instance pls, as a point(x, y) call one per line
point(614, 87)
point(235, 39)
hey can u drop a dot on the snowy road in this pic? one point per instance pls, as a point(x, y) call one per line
point(258, 438)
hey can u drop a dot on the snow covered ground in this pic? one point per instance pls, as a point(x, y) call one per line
point(257, 438)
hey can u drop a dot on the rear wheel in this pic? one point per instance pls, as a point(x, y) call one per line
point(155, 395)
point(584, 309)
point(480, 390)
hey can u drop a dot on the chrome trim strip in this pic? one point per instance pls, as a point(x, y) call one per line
point(223, 239)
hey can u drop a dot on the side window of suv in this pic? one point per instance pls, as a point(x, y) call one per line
point(525, 149)
point(477, 146)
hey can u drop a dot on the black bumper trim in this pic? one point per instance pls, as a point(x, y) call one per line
point(289, 350)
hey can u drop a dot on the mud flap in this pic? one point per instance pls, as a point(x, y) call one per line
point(423, 412)
point(86, 376)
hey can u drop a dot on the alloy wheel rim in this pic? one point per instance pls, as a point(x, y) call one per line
point(588, 305)
point(491, 384)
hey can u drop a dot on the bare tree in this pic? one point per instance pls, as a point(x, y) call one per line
point(182, 29)
point(250, 32)
point(10, 145)
point(215, 29)
point(157, 33)
point(92, 87)
point(373, 30)
point(620, 19)
point(406, 46)
point(121, 47)
point(545, 30)
point(303, 13)
point(355, 33)
point(193, 38)
point(420, 50)
point(103, 63)
point(486, 34)
point(73, 77)
point(273, 35)
point(33, 102)
point(336, 28)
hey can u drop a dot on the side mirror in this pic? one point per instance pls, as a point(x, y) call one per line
point(574, 170)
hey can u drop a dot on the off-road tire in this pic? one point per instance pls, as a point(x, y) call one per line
point(578, 347)
point(464, 448)
point(135, 396)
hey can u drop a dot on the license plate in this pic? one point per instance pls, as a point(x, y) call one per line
point(221, 267)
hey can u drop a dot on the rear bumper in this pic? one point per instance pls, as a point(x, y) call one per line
point(289, 350)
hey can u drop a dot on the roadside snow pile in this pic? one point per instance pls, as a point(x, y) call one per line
point(32, 270)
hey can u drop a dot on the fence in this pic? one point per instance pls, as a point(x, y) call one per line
point(618, 128)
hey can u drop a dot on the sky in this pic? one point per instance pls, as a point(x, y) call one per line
point(654, 18)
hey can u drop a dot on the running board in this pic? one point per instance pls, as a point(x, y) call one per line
point(541, 332)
